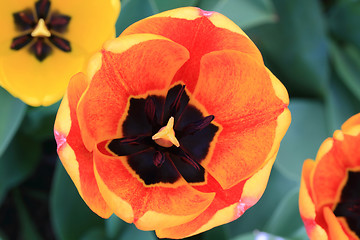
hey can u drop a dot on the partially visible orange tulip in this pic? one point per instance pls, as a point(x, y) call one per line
point(330, 186)
point(176, 125)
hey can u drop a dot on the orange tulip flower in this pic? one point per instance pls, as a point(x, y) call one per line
point(175, 126)
point(329, 198)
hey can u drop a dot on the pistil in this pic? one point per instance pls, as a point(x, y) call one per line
point(166, 135)
point(41, 30)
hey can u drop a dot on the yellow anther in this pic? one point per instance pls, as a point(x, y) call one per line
point(41, 30)
point(166, 135)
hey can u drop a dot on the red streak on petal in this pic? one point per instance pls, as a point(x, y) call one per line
point(206, 13)
point(60, 139)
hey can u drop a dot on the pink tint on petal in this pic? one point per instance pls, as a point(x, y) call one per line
point(60, 139)
point(243, 205)
point(206, 13)
point(309, 224)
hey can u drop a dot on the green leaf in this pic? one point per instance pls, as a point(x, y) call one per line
point(344, 19)
point(114, 226)
point(340, 104)
point(39, 122)
point(71, 217)
point(346, 63)
point(221, 232)
point(307, 131)
point(12, 112)
point(245, 13)
point(94, 234)
point(133, 11)
point(248, 236)
point(257, 216)
point(256, 235)
point(300, 234)
point(27, 227)
point(295, 48)
point(164, 5)
point(131, 232)
point(286, 220)
point(15, 165)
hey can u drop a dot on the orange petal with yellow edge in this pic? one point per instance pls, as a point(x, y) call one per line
point(351, 123)
point(306, 205)
point(198, 32)
point(74, 156)
point(238, 91)
point(335, 229)
point(227, 205)
point(223, 209)
point(148, 206)
point(130, 66)
point(334, 159)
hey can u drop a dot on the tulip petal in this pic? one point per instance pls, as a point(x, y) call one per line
point(87, 19)
point(223, 209)
point(352, 125)
point(156, 61)
point(239, 92)
point(148, 206)
point(227, 205)
point(198, 32)
point(7, 9)
point(306, 204)
point(334, 159)
point(329, 174)
point(334, 227)
point(74, 156)
point(36, 82)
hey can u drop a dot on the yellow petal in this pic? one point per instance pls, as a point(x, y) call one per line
point(39, 83)
point(92, 21)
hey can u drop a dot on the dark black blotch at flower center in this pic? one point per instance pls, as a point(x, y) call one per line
point(151, 161)
point(41, 29)
point(349, 204)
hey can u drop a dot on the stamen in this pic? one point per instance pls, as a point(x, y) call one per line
point(129, 140)
point(42, 8)
point(20, 42)
point(159, 159)
point(59, 22)
point(41, 49)
point(166, 135)
point(150, 110)
point(194, 127)
point(175, 106)
point(24, 20)
point(41, 30)
point(185, 157)
point(61, 43)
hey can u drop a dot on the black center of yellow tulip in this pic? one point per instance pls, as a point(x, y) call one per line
point(158, 161)
point(41, 30)
point(349, 204)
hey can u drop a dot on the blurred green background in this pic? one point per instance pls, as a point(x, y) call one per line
point(312, 46)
